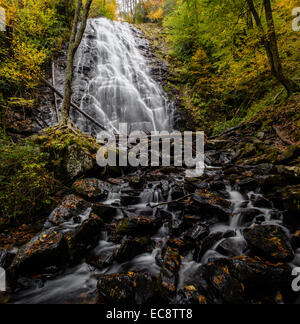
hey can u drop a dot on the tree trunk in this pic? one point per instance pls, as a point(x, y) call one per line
point(269, 41)
point(75, 40)
point(289, 85)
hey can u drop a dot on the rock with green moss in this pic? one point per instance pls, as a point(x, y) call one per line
point(292, 152)
point(72, 153)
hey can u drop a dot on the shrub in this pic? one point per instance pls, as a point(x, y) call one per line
point(26, 186)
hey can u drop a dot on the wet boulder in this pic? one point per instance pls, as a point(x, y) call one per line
point(131, 248)
point(247, 184)
point(247, 280)
point(49, 248)
point(234, 246)
point(102, 256)
point(248, 215)
point(71, 207)
point(260, 202)
point(84, 236)
point(91, 189)
point(208, 243)
point(210, 206)
point(270, 241)
point(195, 234)
point(138, 226)
point(225, 286)
point(107, 213)
point(127, 289)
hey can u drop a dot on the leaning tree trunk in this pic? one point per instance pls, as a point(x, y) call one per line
point(289, 85)
point(75, 40)
point(269, 41)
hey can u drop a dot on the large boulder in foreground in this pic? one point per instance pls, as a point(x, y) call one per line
point(270, 241)
point(247, 280)
point(49, 248)
point(127, 289)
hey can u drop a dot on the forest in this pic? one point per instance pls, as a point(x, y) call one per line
point(70, 69)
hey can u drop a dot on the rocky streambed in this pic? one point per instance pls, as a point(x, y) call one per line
point(231, 236)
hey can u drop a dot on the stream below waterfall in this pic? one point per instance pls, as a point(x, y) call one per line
point(113, 85)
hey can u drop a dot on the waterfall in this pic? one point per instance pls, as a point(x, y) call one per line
point(112, 81)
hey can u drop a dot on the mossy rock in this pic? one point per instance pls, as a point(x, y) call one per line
point(72, 154)
point(292, 152)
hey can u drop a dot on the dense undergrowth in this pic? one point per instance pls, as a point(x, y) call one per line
point(211, 100)
point(35, 33)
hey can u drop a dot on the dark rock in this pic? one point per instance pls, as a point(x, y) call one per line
point(6, 258)
point(127, 289)
point(127, 199)
point(196, 233)
point(260, 202)
point(84, 236)
point(248, 215)
point(102, 257)
point(209, 206)
point(177, 193)
point(138, 226)
point(46, 249)
point(131, 248)
point(92, 189)
point(137, 182)
point(217, 186)
point(107, 213)
point(234, 246)
point(248, 184)
point(72, 206)
point(272, 182)
point(206, 245)
point(291, 198)
point(246, 280)
point(270, 241)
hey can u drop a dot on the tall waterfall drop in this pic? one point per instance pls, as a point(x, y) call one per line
point(113, 83)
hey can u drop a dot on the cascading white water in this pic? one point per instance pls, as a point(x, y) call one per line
point(118, 87)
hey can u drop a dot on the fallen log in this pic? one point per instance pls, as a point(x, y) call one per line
point(48, 84)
